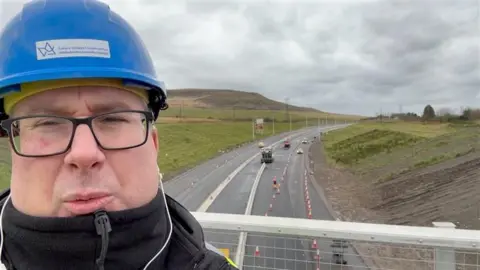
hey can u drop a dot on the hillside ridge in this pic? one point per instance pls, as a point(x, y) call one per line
point(227, 98)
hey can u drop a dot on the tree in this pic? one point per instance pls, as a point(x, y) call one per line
point(428, 112)
point(466, 114)
point(409, 116)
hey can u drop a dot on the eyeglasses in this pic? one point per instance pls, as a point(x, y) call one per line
point(48, 135)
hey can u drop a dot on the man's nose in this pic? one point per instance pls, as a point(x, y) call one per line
point(84, 152)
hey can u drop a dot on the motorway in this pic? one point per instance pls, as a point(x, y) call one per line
point(292, 252)
point(194, 187)
point(279, 252)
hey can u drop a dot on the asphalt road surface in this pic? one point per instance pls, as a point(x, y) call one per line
point(292, 252)
point(233, 199)
point(194, 186)
point(280, 252)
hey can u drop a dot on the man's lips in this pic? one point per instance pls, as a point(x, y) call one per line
point(85, 203)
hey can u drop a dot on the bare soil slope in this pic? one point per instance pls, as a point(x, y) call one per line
point(447, 191)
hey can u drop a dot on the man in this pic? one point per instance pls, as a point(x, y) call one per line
point(80, 98)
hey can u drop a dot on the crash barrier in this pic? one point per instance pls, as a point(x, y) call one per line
point(293, 243)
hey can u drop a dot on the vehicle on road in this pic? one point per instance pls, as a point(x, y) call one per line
point(299, 151)
point(261, 145)
point(286, 144)
point(267, 156)
point(305, 141)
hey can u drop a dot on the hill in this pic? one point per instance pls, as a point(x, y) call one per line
point(227, 99)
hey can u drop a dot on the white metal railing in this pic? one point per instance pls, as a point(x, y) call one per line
point(375, 246)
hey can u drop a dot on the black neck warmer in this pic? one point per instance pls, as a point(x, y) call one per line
point(105, 240)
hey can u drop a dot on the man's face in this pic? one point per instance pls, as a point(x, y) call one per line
point(118, 179)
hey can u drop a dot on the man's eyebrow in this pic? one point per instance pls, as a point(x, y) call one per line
point(111, 106)
point(40, 110)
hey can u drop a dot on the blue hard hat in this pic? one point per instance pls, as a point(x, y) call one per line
point(63, 39)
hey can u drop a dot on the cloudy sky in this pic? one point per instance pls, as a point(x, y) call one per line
point(356, 56)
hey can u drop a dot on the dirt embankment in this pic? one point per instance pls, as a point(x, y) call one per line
point(448, 191)
point(339, 186)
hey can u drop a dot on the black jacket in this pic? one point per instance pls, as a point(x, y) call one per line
point(134, 237)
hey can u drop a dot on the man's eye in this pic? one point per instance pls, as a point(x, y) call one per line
point(113, 119)
point(47, 123)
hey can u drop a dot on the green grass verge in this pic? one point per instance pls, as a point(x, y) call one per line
point(413, 128)
point(353, 149)
point(5, 171)
point(349, 145)
point(383, 151)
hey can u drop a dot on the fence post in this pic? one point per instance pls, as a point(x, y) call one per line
point(444, 257)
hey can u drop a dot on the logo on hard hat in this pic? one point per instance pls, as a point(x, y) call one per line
point(47, 49)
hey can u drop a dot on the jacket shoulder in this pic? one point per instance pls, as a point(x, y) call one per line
point(188, 242)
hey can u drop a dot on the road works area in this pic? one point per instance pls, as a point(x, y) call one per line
point(395, 174)
point(396, 192)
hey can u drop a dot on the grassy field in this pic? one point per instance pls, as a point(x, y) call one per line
point(183, 145)
point(412, 128)
point(239, 105)
point(242, 115)
point(384, 150)
point(221, 103)
point(5, 159)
